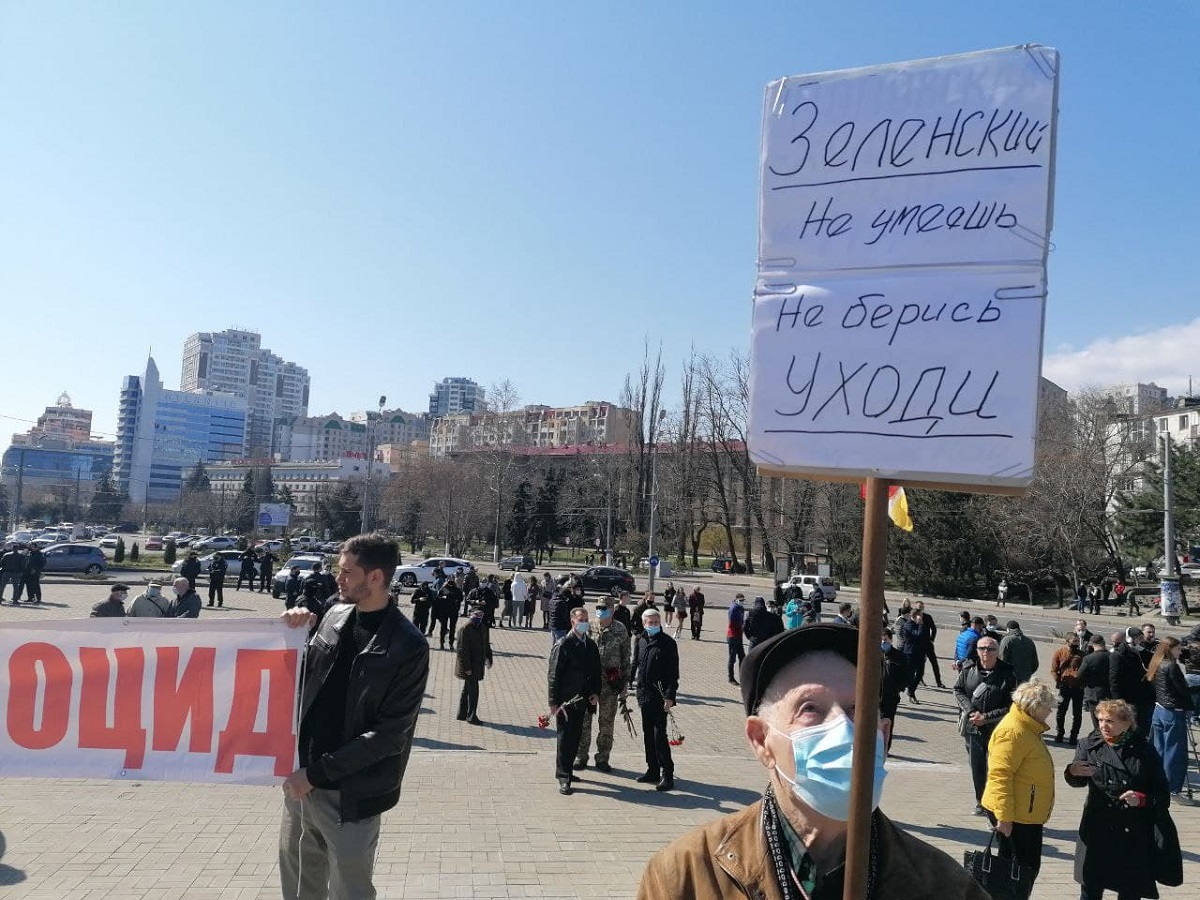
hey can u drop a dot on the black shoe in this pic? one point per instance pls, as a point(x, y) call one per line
point(564, 786)
point(580, 766)
point(474, 720)
point(667, 784)
point(648, 778)
point(1074, 739)
point(210, 603)
point(941, 685)
point(603, 767)
point(461, 718)
point(1058, 738)
point(733, 681)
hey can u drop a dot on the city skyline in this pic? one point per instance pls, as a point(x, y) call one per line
point(513, 195)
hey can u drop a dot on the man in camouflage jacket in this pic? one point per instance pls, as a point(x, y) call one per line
point(612, 640)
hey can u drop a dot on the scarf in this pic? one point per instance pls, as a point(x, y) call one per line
point(773, 825)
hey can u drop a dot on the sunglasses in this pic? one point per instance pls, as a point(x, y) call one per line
point(987, 648)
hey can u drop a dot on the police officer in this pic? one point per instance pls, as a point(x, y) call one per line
point(612, 640)
point(216, 580)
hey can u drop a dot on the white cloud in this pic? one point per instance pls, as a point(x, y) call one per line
point(1167, 356)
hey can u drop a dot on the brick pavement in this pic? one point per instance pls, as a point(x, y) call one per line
point(480, 816)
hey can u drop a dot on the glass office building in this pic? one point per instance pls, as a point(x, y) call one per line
point(162, 434)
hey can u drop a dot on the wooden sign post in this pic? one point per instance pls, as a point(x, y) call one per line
point(904, 221)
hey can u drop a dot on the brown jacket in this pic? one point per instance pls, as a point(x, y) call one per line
point(1065, 667)
point(728, 859)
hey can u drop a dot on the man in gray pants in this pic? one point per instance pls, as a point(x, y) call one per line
point(364, 677)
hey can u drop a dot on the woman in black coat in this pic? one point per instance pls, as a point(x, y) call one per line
point(1127, 796)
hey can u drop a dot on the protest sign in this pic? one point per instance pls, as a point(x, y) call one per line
point(904, 222)
point(150, 699)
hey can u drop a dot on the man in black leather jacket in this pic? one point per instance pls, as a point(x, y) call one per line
point(983, 693)
point(363, 680)
point(656, 662)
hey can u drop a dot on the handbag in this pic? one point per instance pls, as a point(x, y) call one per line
point(1003, 878)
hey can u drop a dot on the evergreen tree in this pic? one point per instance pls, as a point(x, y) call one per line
point(106, 502)
point(134, 553)
point(197, 480)
point(4, 510)
point(286, 496)
point(544, 524)
point(169, 553)
point(1140, 514)
point(518, 526)
point(119, 551)
point(411, 524)
point(245, 508)
point(340, 511)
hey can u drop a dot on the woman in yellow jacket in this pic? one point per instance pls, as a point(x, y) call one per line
point(1020, 781)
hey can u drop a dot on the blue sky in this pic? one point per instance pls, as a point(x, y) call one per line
point(392, 193)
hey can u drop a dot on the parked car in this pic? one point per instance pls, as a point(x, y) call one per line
point(272, 546)
point(109, 542)
point(422, 572)
point(517, 563)
point(232, 557)
point(302, 561)
point(727, 566)
point(75, 558)
point(608, 579)
point(305, 542)
point(829, 587)
point(20, 537)
point(211, 544)
point(154, 542)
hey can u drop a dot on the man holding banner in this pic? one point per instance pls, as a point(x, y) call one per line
point(364, 677)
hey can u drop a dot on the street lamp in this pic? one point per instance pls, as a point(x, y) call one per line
point(366, 497)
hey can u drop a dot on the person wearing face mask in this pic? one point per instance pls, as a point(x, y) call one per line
point(472, 656)
point(1085, 636)
point(983, 693)
point(798, 691)
point(612, 642)
point(574, 683)
point(656, 662)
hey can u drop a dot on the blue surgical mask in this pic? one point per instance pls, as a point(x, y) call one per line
point(652, 630)
point(823, 754)
point(583, 627)
point(885, 646)
point(603, 614)
point(476, 620)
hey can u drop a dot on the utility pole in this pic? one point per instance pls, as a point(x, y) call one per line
point(654, 495)
point(608, 547)
point(16, 513)
point(1168, 515)
point(366, 494)
point(449, 510)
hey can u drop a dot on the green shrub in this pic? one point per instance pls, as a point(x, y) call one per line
point(168, 553)
point(133, 552)
point(119, 551)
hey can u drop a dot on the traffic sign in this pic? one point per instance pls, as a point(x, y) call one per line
point(653, 561)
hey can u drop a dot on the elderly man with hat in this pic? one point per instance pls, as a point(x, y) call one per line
point(472, 656)
point(612, 640)
point(798, 689)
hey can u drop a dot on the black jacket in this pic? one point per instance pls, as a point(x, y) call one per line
point(1113, 851)
point(12, 562)
point(187, 606)
point(560, 611)
point(574, 670)
point(1093, 677)
point(1171, 688)
point(990, 693)
point(387, 683)
point(35, 562)
point(656, 664)
point(761, 624)
point(217, 568)
point(895, 680)
point(1127, 677)
point(190, 569)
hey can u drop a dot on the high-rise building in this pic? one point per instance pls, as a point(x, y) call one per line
point(331, 436)
point(595, 423)
point(56, 458)
point(234, 362)
point(1136, 399)
point(456, 395)
point(162, 434)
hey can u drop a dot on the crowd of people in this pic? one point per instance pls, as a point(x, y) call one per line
point(21, 567)
point(795, 672)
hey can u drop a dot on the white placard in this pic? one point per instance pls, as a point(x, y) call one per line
point(900, 375)
point(910, 203)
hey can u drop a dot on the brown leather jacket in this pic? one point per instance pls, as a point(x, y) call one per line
point(728, 859)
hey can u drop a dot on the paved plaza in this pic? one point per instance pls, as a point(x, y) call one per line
point(480, 815)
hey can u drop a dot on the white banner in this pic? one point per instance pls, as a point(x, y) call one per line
point(150, 699)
